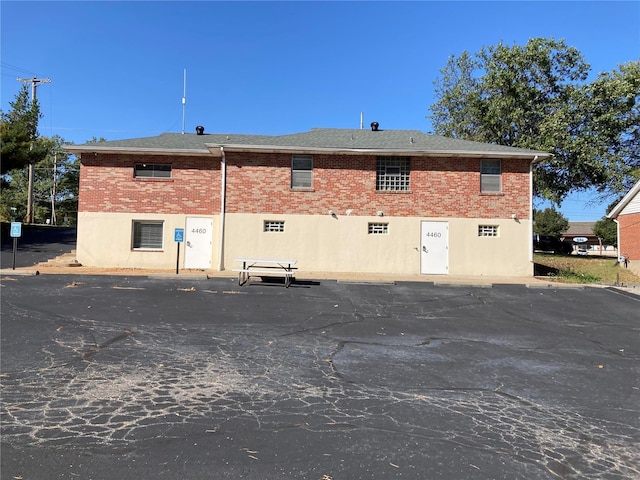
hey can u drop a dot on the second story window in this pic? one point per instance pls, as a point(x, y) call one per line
point(490, 176)
point(151, 170)
point(392, 174)
point(302, 171)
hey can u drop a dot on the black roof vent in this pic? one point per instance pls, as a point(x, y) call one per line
point(200, 130)
point(374, 126)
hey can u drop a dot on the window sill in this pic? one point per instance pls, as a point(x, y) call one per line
point(393, 192)
point(491, 194)
point(157, 250)
point(302, 189)
point(152, 179)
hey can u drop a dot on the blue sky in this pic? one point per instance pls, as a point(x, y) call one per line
point(275, 67)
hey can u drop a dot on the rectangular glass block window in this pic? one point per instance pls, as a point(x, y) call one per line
point(392, 174)
point(378, 228)
point(302, 171)
point(151, 170)
point(273, 226)
point(487, 230)
point(147, 235)
point(491, 176)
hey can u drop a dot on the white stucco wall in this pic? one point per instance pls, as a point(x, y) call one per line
point(320, 243)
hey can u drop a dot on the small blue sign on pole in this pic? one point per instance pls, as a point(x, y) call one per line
point(16, 229)
point(178, 237)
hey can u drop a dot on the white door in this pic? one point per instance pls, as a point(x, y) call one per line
point(434, 248)
point(198, 242)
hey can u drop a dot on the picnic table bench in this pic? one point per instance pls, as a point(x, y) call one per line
point(265, 267)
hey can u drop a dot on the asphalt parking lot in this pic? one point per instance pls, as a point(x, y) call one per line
point(109, 377)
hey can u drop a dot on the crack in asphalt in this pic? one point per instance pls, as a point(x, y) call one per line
point(168, 379)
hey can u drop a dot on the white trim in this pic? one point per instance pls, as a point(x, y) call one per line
point(625, 201)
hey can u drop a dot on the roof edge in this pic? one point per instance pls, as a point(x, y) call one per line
point(235, 147)
point(615, 211)
point(154, 151)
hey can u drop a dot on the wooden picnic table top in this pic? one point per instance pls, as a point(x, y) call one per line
point(267, 260)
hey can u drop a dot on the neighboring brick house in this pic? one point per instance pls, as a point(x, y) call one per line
point(337, 200)
point(627, 215)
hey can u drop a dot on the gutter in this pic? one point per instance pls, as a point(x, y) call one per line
point(223, 195)
point(371, 151)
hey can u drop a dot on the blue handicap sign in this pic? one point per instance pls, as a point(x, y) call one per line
point(16, 229)
point(178, 235)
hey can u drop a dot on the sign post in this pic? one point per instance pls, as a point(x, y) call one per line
point(178, 237)
point(16, 232)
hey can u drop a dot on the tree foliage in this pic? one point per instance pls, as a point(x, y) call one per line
point(536, 97)
point(55, 189)
point(18, 131)
point(607, 230)
point(549, 222)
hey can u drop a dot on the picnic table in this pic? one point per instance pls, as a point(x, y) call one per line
point(265, 267)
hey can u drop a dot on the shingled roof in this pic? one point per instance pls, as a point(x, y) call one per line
point(319, 140)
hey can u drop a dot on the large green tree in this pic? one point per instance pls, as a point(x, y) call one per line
point(607, 230)
point(537, 96)
point(549, 222)
point(55, 189)
point(18, 132)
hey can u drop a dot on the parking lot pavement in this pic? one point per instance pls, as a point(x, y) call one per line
point(143, 378)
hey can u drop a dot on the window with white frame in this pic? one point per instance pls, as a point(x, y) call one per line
point(490, 176)
point(147, 234)
point(392, 174)
point(151, 170)
point(302, 171)
point(273, 226)
point(378, 228)
point(487, 230)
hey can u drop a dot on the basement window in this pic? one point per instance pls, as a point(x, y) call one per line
point(273, 226)
point(151, 170)
point(147, 235)
point(487, 230)
point(378, 228)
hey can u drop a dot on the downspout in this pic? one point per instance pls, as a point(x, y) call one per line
point(223, 194)
point(535, 159)
point(618, 238)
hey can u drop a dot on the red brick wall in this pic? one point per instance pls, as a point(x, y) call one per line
point(107, 185)
point(630, 235)
point(260, 183)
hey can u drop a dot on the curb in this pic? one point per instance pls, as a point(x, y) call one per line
point(9, 272)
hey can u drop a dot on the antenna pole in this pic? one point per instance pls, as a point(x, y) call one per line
point(184, 98)
point(34, 83)
point(361, 120)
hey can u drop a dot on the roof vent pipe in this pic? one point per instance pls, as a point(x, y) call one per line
point(374, 126)
point(200, 130)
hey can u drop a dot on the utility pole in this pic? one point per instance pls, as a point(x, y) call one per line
point(34, 83)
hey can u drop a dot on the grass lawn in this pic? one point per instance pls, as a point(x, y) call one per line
point(582, 269)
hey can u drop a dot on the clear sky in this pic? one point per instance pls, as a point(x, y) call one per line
point(117, 68)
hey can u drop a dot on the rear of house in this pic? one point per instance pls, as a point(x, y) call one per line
point(337, 200)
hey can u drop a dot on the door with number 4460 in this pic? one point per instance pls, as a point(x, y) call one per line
point(198, 244)
point(434, 248)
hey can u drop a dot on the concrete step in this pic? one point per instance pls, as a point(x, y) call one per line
point(64, 260)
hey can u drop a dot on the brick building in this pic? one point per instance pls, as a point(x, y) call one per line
point(627, 215)
point(337, 200)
